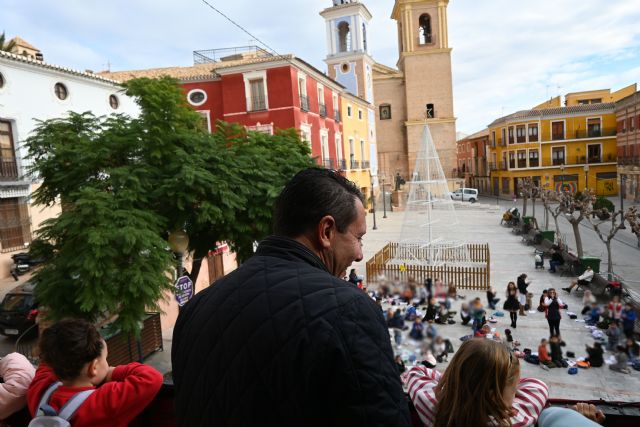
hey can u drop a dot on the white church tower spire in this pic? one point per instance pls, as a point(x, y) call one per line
point(348, 56)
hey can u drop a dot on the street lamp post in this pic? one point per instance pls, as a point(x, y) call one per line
point(586, 177)
point(562, 178)
point(384, 200)
point(179, 242)
point(373, 203)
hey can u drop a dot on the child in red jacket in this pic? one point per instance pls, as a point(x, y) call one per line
point(73, 352)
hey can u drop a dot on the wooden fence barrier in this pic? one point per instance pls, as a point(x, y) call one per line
point(475, 278)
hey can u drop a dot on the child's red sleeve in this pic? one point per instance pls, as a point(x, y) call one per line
point(131, 389)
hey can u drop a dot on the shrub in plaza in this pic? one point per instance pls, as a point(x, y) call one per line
point(124, 183)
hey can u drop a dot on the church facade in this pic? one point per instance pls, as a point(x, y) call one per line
point(417, 91)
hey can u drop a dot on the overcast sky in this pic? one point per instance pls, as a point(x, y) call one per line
point(507, 54)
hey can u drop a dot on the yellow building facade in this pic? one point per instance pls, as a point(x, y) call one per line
point(355, 141)
point(570, 147)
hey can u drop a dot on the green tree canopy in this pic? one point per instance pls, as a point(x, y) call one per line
point(125, 183)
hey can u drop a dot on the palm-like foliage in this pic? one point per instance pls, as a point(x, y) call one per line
point(6, 47)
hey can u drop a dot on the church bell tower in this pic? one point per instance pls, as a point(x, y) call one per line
point(348, 58)
point(425, 60)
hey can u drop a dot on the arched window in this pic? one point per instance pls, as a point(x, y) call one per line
point(424, 25)
point(364, 36)
point(344, 36)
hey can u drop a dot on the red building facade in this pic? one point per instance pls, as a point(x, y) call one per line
point(269, 93)
point(628, 144)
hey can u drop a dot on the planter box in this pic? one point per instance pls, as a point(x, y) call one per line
point(125, 349)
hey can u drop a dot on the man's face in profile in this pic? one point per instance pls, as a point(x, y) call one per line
point(347, 247)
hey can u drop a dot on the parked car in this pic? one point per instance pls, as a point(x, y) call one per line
point(18, 311)
point(465, 194)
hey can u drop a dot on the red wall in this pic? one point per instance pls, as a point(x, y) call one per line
point(226, 101)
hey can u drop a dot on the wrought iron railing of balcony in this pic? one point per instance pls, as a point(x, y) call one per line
point(629, 160)
point(8, 169)
point(328, 163)
point(355, 164)
point(342, 164)
point(304, 103)
point(366, 164)
point(336, 116)
point(323, 110)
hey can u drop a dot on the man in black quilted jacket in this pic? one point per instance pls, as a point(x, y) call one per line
point(283, 341)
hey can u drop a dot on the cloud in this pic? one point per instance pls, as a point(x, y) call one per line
point(507, 55)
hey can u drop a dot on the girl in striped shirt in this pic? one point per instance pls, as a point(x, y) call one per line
point(481, 387)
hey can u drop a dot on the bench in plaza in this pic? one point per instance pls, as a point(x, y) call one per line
point(533, 237)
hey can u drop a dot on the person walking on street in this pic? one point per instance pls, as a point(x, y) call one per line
point(283, 340)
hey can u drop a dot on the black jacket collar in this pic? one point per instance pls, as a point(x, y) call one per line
point(289, 249)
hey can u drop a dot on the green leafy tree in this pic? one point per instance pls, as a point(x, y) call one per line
point(8, 46)
point(125, 183)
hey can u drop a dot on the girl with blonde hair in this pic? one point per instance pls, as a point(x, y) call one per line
point(480, 387)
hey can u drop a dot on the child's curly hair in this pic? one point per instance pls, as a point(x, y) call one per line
point(68, 345)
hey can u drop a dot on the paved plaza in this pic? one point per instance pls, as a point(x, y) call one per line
point(480, 223)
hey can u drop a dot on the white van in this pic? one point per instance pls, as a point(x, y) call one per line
point(465, 194)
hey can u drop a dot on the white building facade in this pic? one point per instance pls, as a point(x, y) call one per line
point(30, 91)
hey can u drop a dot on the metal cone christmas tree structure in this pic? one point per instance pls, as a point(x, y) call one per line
point(426, 247)
point(430, 215)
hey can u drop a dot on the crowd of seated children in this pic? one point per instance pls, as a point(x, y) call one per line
point(543, 355)
point(478, 314)
point(73, 360)
point(555, 344)
point(491, 298)
point(620, 364)
point(417, 330)
point(628, 317)
point(613, 336)
point(588, 301)
point(615, 309)
point(465, 314)
point(595, 354)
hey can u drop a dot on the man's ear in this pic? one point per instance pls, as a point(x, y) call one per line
point(326, 229)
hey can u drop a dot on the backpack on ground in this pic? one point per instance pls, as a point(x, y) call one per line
point(46, 416)
point(532, 358)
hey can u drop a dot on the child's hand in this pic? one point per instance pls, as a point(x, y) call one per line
point(109, 373)
point(590, 411)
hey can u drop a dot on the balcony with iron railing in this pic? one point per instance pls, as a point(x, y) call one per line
point(366, 164)
point(355, 164)
point(342, 163)
point(336, 116)
point(8, 169)
point(304, 103)
point(581, 160)
point(328, 163)
point(323, 110)
point(629, 160)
